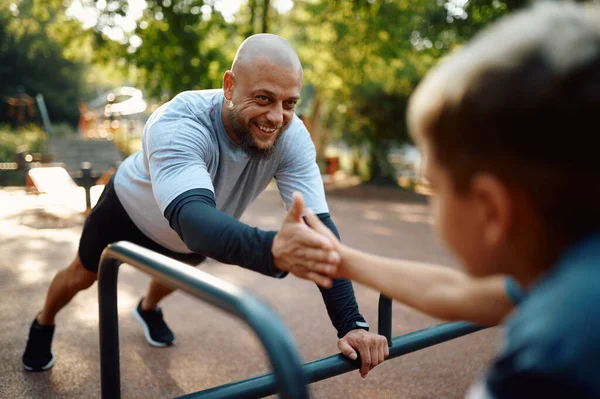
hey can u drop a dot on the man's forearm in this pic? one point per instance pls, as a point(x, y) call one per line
point(211, 232)
point(339, 299)
point(435, 290)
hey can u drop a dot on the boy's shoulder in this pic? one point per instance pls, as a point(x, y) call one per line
point(552, 338)
point(562, 306)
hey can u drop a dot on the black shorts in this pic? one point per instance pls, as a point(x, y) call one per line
point(107, 223)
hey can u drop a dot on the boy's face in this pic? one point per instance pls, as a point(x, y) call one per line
point(467, 222)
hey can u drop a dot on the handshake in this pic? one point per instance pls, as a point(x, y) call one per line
point(308, 250)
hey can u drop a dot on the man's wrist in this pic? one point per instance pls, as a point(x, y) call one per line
point(355, 324)
point(272, 267)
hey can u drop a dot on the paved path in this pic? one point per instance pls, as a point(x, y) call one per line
point(212, 348)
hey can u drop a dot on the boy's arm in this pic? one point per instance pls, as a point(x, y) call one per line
point(435, 290)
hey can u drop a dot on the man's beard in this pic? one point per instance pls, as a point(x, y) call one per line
point(247, 142)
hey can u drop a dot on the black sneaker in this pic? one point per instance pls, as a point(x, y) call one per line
point(155, 329)
point(38, 354)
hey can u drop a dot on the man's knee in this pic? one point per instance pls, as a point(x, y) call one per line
point(79, 277)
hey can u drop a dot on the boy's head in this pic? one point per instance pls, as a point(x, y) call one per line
point(510, 128)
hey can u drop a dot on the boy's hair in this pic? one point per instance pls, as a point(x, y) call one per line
point(522, 101)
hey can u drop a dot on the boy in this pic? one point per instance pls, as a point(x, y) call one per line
point(509, 130)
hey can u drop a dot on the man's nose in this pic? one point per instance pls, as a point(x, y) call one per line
point(275, 115)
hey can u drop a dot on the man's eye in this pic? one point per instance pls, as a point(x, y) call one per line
point(291, 104)
point(263, 99)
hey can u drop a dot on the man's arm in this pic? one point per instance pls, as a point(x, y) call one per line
point(350, 324)
point(339, 299)
point(206, 230)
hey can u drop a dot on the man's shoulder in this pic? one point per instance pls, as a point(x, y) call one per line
point(187, 116)
point(296, 137)
point(196, 102)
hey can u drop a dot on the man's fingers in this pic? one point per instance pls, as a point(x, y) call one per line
point(365, 357)
point(323, 281)
point(347, 350)
point(376, 357)
point(294, 214)
point(382, 347)
point(387, 348)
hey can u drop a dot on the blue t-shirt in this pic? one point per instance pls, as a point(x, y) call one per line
point(552, 343)
point(514, 291)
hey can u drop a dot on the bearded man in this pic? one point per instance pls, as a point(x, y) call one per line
point(206, 156)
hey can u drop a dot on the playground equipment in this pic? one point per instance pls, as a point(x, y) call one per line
point(289, 376)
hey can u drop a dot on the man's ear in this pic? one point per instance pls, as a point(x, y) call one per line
point(228, 80)
point(494, 208)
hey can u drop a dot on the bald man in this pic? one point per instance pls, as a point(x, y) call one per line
point(206, 156)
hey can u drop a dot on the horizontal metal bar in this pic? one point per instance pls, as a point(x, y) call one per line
point(264, 385)
point(272, 333)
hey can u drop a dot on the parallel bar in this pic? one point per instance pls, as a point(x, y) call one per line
point(264, 385)
point(384, 318)
point(110, 374)
point(276, 339)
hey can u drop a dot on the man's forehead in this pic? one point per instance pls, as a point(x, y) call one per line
point(276, 81)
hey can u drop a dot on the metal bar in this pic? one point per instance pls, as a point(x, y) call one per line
point(264, 385)
point(109, 328)
point(276, 339)
point(384, 318)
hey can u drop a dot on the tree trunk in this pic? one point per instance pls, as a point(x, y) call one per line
point(252, 5)
point(265, 16)
point(382, 171)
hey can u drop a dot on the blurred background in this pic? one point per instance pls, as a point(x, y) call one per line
point(78, 78)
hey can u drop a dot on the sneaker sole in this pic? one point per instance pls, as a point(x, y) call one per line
point(147, 332)
point(45, 367)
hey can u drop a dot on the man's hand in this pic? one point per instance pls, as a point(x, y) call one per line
point(302, 251)
point(372, 349)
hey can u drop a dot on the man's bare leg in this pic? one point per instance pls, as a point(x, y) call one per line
point(65, 285)
point(156, 292)
point(38, 355)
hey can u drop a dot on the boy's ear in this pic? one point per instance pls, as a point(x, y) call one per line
point(494, 208)
point(228, 79)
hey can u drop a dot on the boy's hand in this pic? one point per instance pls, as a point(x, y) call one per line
point(315, 223)
point(302, 251)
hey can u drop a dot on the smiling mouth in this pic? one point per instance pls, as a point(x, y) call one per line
point(266, 129)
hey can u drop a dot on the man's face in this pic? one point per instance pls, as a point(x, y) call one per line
point(462, 220)
point(262, 102)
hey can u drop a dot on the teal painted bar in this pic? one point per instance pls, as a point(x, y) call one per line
point(288, 379)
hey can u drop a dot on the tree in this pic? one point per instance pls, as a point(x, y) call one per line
point(176, 45)
point(31, 40)
point(364, 58)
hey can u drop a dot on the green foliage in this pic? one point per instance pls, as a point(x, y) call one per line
point(63, 130)
point(364, 58)
point(31, 139)
point(177, 45)
point(32, 55)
